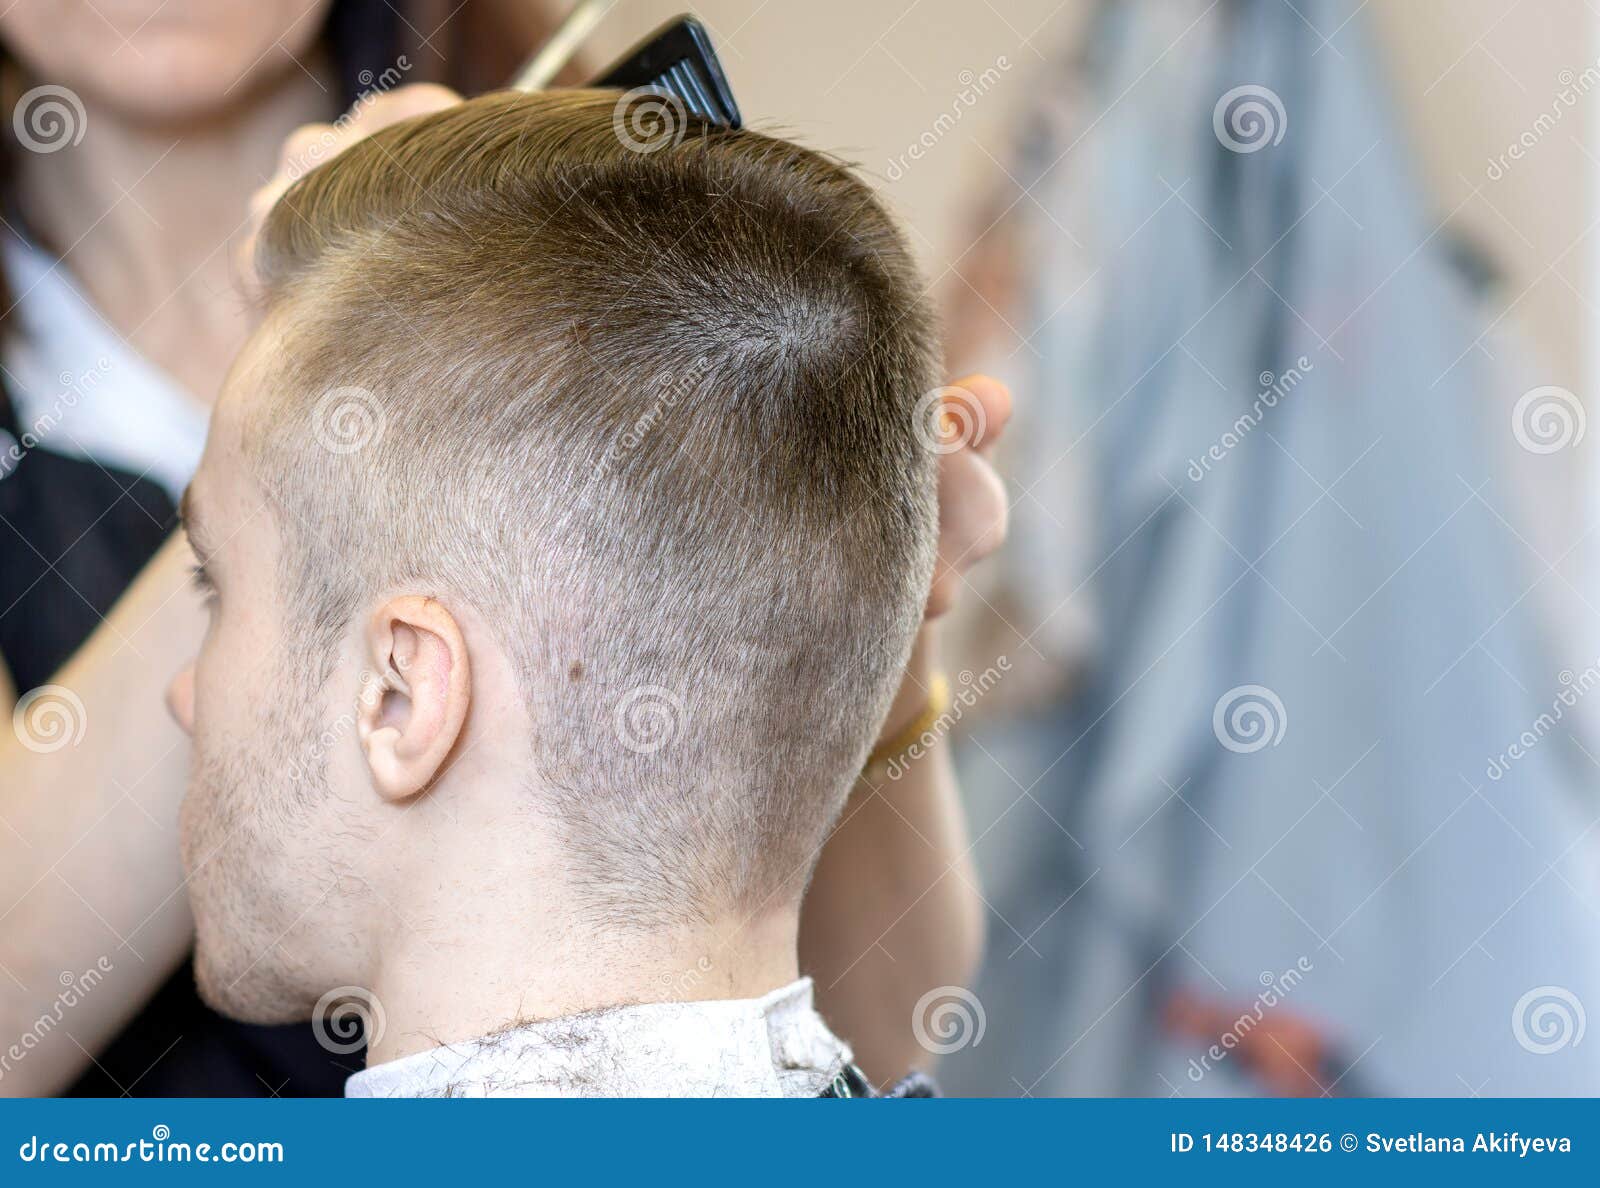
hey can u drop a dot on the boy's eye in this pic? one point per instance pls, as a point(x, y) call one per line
point(202, 582)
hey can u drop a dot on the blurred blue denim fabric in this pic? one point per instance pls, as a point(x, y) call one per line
point(1261, 357)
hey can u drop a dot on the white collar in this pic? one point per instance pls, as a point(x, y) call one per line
point(81, 390)
point(774, 1046)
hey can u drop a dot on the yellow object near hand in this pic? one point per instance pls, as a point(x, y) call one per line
point(933, 709)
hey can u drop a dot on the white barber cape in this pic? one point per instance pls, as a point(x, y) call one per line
point(774, 1046)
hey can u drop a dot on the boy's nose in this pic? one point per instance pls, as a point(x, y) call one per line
point(180, 698)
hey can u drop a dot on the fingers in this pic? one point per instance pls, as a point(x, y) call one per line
point(404, 102)
point(990, 409)
point(312, 144)
point(306, 147)
point(973, 511)
point(972, 523)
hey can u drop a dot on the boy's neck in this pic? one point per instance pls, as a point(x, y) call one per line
point(499, 968)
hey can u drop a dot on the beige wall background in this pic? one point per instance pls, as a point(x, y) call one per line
point(1469, 77)
point(867, 79)
point(1474, 76)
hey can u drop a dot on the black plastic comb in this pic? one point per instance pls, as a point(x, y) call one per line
point(678, 58)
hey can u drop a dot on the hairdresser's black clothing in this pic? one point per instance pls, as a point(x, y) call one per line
point(179, 1047)
point(75, 534)
point(850, 1081)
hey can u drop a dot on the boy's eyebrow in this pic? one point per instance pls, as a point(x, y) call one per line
point(192, 525)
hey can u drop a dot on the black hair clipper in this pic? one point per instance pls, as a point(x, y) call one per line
point(677, 59)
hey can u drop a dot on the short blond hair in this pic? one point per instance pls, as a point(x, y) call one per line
point(664, 410)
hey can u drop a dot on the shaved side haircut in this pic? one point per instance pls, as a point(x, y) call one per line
point(656, 413)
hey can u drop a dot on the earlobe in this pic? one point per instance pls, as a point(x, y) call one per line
point(411, 716)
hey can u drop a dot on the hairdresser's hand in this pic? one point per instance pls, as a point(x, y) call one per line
point(972, 499)
point(311, 144)
point(972, 522)
point(896, 875)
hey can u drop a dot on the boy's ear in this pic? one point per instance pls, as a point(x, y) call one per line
point(410, 719)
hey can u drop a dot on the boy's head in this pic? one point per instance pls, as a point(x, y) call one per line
point(570, 519)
